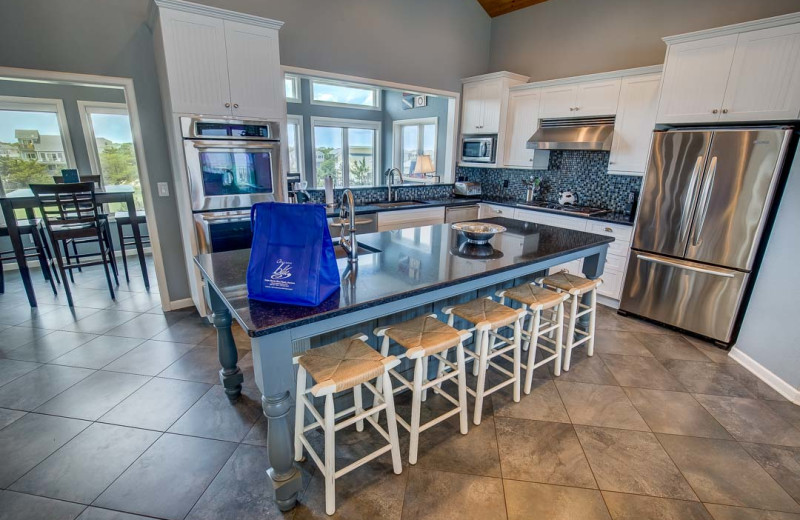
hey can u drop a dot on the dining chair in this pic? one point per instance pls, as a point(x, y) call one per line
point(123, 219)
point(40, 250)
point(70, 212)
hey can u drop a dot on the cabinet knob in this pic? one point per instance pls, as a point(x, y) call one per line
point(715, 111)
point(530, 159)
point(227, 105)
point(572, 109)
point(609, 230)
point(236, 105)
point(724, 110)
point(610, 162)
point(577, 108)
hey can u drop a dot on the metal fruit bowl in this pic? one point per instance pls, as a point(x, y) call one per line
point(478, 232)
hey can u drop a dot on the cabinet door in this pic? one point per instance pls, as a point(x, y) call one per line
point(197, 68)
point(695, 76)
point(633, 128)
point(521, 123)
point(491, 94)
point(764, 82)
point(472, 110)
point(254, 70)
point(558, 101)
point(598, 98)
point(489, 210)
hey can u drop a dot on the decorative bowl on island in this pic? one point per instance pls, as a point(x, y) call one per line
point(478, 232)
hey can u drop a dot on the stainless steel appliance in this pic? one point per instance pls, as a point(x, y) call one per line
point(461, 213)
point(590, 133)
point(231, 165)
point(467, 189)
point(704, 206)
point(479, 149)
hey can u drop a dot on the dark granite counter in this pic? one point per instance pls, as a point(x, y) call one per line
point(409, 262)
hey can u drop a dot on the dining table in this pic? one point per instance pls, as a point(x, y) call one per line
point(25, 199)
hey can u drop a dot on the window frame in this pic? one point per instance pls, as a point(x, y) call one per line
point(397, 139)
point(336, 122)
point(295, 79)
point(376, 91)
point(301, 146)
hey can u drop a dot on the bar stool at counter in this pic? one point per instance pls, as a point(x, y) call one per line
point(422, 338)
point(488, 317)
point(345, 364)
point(535, 300)
point(576, 287)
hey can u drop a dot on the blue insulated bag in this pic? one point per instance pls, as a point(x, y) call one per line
point(292, 259)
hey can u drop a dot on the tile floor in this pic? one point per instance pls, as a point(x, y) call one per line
point(114, 411)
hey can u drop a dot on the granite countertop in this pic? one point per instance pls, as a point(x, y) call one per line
point(409, 262)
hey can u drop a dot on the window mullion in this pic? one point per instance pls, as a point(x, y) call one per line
point(345, 158)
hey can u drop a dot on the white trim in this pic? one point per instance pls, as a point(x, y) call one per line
point(175, 305)
point(608, 301)
point(496, 75)
point(34, 104)
point(760, 371)
point(397, 138)
point(295, 79)
point(133, 112)
point(376, 92)
point(764, 23)
point(204, 10)
point(638, 71)
point(301, 144)
point(336, 122)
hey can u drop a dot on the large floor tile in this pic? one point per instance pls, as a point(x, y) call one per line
point(21, 313)
point(29, 440)
point(713, 352)
point(543, 403)
point(51, 346)
point(95, 513)
point(200, 364)
point(621, 343)
point(719, 512)
point(101, 322)
point(9, 416)
point(38, 386)
point(599, 405)
point(192, 329)
point(168, 478)
point(585, 369)
point(632, 462)
point(215, 417)
point(789, 411)
point(60, 317)
point(528, 500)
point(143, 326)
point(750, 420)
point(539, 451)
point(10, 369)
point(98, 352)
point(86, 465)
point(722, 472)
point(19, 506)
point(157, 404)
point(141, 302)
point(93, 396)
point(149, 358)
point(636, 507)
point(436, 495)
point(708, 377)
point(15, 337)
point(780, 462)
point(676, 413)
point(667, 346)
point(640, 372)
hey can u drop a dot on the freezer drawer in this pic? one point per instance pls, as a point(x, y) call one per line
point(696, 297)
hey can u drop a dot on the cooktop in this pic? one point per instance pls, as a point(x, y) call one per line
point(564, 208)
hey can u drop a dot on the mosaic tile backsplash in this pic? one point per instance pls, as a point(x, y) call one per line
point(364, 196)
point(583, 172)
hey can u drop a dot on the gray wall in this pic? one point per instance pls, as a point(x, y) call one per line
point(563, 38)
point(768, 333)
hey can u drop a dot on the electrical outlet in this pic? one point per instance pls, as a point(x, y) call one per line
point(163, 189)
point(505, 183)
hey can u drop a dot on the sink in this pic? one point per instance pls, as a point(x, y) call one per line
point(361, 250)
point(397, 204)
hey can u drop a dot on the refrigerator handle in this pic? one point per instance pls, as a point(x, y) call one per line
point(683, 229)
point(689, 267)
point(705, 198)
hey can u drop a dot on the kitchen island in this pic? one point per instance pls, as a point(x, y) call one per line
point(410, 271)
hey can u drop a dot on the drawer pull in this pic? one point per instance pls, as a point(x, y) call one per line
point(608, 230)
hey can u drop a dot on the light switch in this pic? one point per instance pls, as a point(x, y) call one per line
point(163, 189)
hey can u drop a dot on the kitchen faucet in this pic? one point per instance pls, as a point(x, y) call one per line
point(347, 210)
point(390, 180)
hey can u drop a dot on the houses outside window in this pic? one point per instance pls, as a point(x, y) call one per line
point(347, 150)
point(412, 138)
point(335, 93)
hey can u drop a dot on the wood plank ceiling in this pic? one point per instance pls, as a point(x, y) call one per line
point(498, 7)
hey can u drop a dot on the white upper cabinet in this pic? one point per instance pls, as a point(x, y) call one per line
point(492, 95)
point(597, 98)
point(633, 128)
point(484, 102)
point(558, 101)
point(522, 122)
point(764, 81)
point(695, 76)
point(472, 113)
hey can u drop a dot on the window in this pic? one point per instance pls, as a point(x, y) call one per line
point(34, 141)
point(414, 137)
point(292, 85)
point(325, 92)
point(294, 141)
point(107, 129)
point(346, 149)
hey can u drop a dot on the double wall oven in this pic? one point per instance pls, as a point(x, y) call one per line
point(232, 164)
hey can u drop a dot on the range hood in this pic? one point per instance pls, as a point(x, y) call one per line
point(591, 133)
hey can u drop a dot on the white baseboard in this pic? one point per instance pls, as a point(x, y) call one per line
point(760, 371)
point(175, 305)
point(608, 302)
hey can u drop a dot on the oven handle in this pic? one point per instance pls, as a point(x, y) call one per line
point(234, 145)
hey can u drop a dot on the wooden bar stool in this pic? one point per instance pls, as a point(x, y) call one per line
point(345, 364)
point(422, 338)
point(578, 288)
point(488, 317)
point(535, 300)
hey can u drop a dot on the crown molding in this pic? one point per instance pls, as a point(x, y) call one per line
point(764, 23)
point(224, 14)
point(638, 71)
point(496, 75)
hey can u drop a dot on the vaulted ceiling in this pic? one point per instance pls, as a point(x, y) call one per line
point(498, 7)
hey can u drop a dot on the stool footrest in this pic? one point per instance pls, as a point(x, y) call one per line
point(363, 460)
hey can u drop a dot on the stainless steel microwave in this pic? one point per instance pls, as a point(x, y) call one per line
point(478, 149)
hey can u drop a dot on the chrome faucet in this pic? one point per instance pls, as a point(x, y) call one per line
point(347, 210)
point(390, 180)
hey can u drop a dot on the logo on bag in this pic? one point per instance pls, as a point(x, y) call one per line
point(283, 271)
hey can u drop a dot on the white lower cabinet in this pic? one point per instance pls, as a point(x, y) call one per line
point(494, 210)
point(409, 218)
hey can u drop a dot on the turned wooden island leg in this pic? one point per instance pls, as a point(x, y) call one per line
point(230, 375)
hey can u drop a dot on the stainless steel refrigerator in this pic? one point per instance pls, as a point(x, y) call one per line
point(705, 203)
